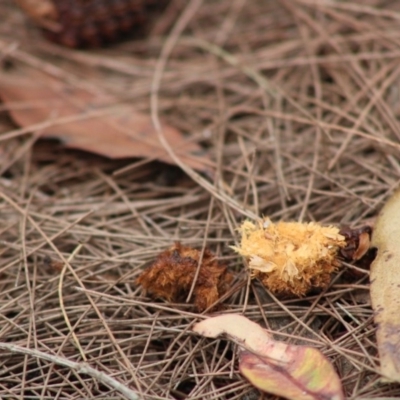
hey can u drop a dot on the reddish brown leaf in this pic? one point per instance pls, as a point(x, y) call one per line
point(294, 372)
point(90, 122)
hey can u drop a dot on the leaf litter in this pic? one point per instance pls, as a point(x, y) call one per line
point(105, 220)
point(385, 286)
point(94, 122)
point(294, 372)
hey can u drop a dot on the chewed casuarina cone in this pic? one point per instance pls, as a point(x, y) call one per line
point(90, 23)
point(291, 257)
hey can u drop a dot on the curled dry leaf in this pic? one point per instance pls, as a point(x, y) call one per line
point(94, 122)
point(385, 287)
point(294, 372)
point(358, 242)
point(291, 257)
point(172, 274)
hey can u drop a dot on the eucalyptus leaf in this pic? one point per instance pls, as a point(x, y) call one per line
point(385, 287)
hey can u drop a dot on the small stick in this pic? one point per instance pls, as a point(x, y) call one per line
point(80, 368)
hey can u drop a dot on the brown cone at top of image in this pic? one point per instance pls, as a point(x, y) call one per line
point(88, 23)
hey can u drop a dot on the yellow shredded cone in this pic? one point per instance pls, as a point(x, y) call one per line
point(291, 257)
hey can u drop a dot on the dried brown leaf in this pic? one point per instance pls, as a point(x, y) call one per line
point(358, 241)
point(171, 276)
point(91, 122)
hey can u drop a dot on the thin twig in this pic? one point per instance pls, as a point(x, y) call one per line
point(80, 368)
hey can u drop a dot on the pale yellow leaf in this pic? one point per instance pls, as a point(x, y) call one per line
point(385, 287)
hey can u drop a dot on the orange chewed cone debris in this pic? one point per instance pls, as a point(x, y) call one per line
point(291, 257)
